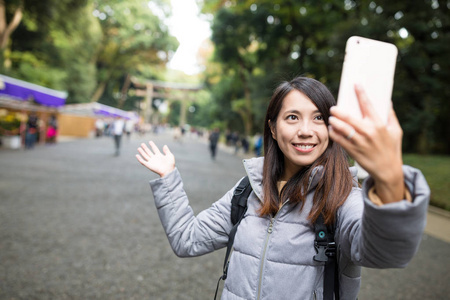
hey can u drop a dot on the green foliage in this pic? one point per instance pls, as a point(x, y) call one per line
point(87, 47)
point(132, 36)
point(221, 106)
point(203, 106)
point(436, 170)
point(53, 47)
point(30, 68)
point(278, 40)
point(174, 114)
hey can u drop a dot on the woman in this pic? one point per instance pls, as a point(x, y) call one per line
point(52, 130)
point(304, 173)
point(32, 129)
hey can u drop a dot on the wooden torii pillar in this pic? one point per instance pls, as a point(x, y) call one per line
point(147, 90)
point(183, 110)
point(148, 111)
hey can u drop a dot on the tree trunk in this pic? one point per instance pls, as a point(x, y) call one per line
point(123, 94)
point(425, 140)
point(248, 120)
point(247, 117)
point(98, 91)
point(7, 29)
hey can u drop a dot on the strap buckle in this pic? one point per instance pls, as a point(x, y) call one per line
point(225, 271)
point(331, 249)
point(324, 250)
point(239, 190)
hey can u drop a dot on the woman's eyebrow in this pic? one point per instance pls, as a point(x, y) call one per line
point(295, 111)
point(292, 111)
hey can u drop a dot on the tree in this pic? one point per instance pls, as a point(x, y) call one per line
point(6, 29)
point(272, 40)
point(37, 15)
point(422, 33)
point(60, 44)
point(132, 36)
point(41, 49)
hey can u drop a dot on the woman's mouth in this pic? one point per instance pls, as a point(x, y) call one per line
point(304, 147)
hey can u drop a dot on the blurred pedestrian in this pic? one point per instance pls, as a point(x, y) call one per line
point(129, 127)
point(245, 144)
point(177, 134)
point(213, 141)
point(117, 130)
point(99, 127)
point(228, 137)
point(52, 130)
point(258, 144)
point(32, 129)
point(235, 141)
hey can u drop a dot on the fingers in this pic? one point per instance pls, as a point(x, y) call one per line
point(147, 151)
point(363, 101)
point(166, 150)
point(349, 127)
point(154, 147)
point(140, 159)
point(394, 127)
point(154, 160)
point(341, 116)
point(343, 127)
point(343, 134)
point(144, 151)
point(392, 118)
point(366, 107)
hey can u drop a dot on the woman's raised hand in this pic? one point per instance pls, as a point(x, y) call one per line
point(376, 146)
point(154, 160)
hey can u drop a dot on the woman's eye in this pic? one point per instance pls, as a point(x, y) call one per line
point(291, 117)
point(320, 118)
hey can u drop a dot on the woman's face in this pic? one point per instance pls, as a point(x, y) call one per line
point(301, 132)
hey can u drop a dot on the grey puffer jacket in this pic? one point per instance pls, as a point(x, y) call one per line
point(273, 256)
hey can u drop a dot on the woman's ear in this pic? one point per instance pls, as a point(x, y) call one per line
point(272, 130)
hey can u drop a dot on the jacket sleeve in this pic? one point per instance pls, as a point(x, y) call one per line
point(190, 235)
point(386, 236)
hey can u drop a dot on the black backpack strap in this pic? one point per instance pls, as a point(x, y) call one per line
point(238, 209)
point(239, 200)
point(326, 252)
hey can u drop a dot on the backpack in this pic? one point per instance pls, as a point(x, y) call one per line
point(323, 243)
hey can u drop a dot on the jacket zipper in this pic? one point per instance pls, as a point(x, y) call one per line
point(266, 242)
point(307, 190)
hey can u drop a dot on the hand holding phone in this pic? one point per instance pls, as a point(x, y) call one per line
point(371, 64)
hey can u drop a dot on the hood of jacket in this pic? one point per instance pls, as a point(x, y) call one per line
point(254, 169)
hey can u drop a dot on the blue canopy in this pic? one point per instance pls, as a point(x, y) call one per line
point(24, 91)
point(98, 110)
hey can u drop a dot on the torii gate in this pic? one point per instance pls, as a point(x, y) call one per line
point(152, 89)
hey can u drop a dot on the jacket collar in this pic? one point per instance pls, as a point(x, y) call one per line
point(254, 169)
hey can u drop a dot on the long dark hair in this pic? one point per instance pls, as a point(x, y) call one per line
point(335, 183)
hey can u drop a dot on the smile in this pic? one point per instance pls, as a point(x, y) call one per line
point(304, 147)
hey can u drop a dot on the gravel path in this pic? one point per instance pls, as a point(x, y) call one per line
point(78, 223)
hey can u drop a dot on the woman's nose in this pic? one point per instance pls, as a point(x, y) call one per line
point(305, 129)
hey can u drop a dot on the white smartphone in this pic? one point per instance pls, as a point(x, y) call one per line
point(370, 63)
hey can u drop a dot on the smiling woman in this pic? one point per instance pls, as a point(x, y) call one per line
point(300, 132)
point(303, 177)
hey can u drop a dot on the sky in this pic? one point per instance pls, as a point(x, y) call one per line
point(190, 30)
